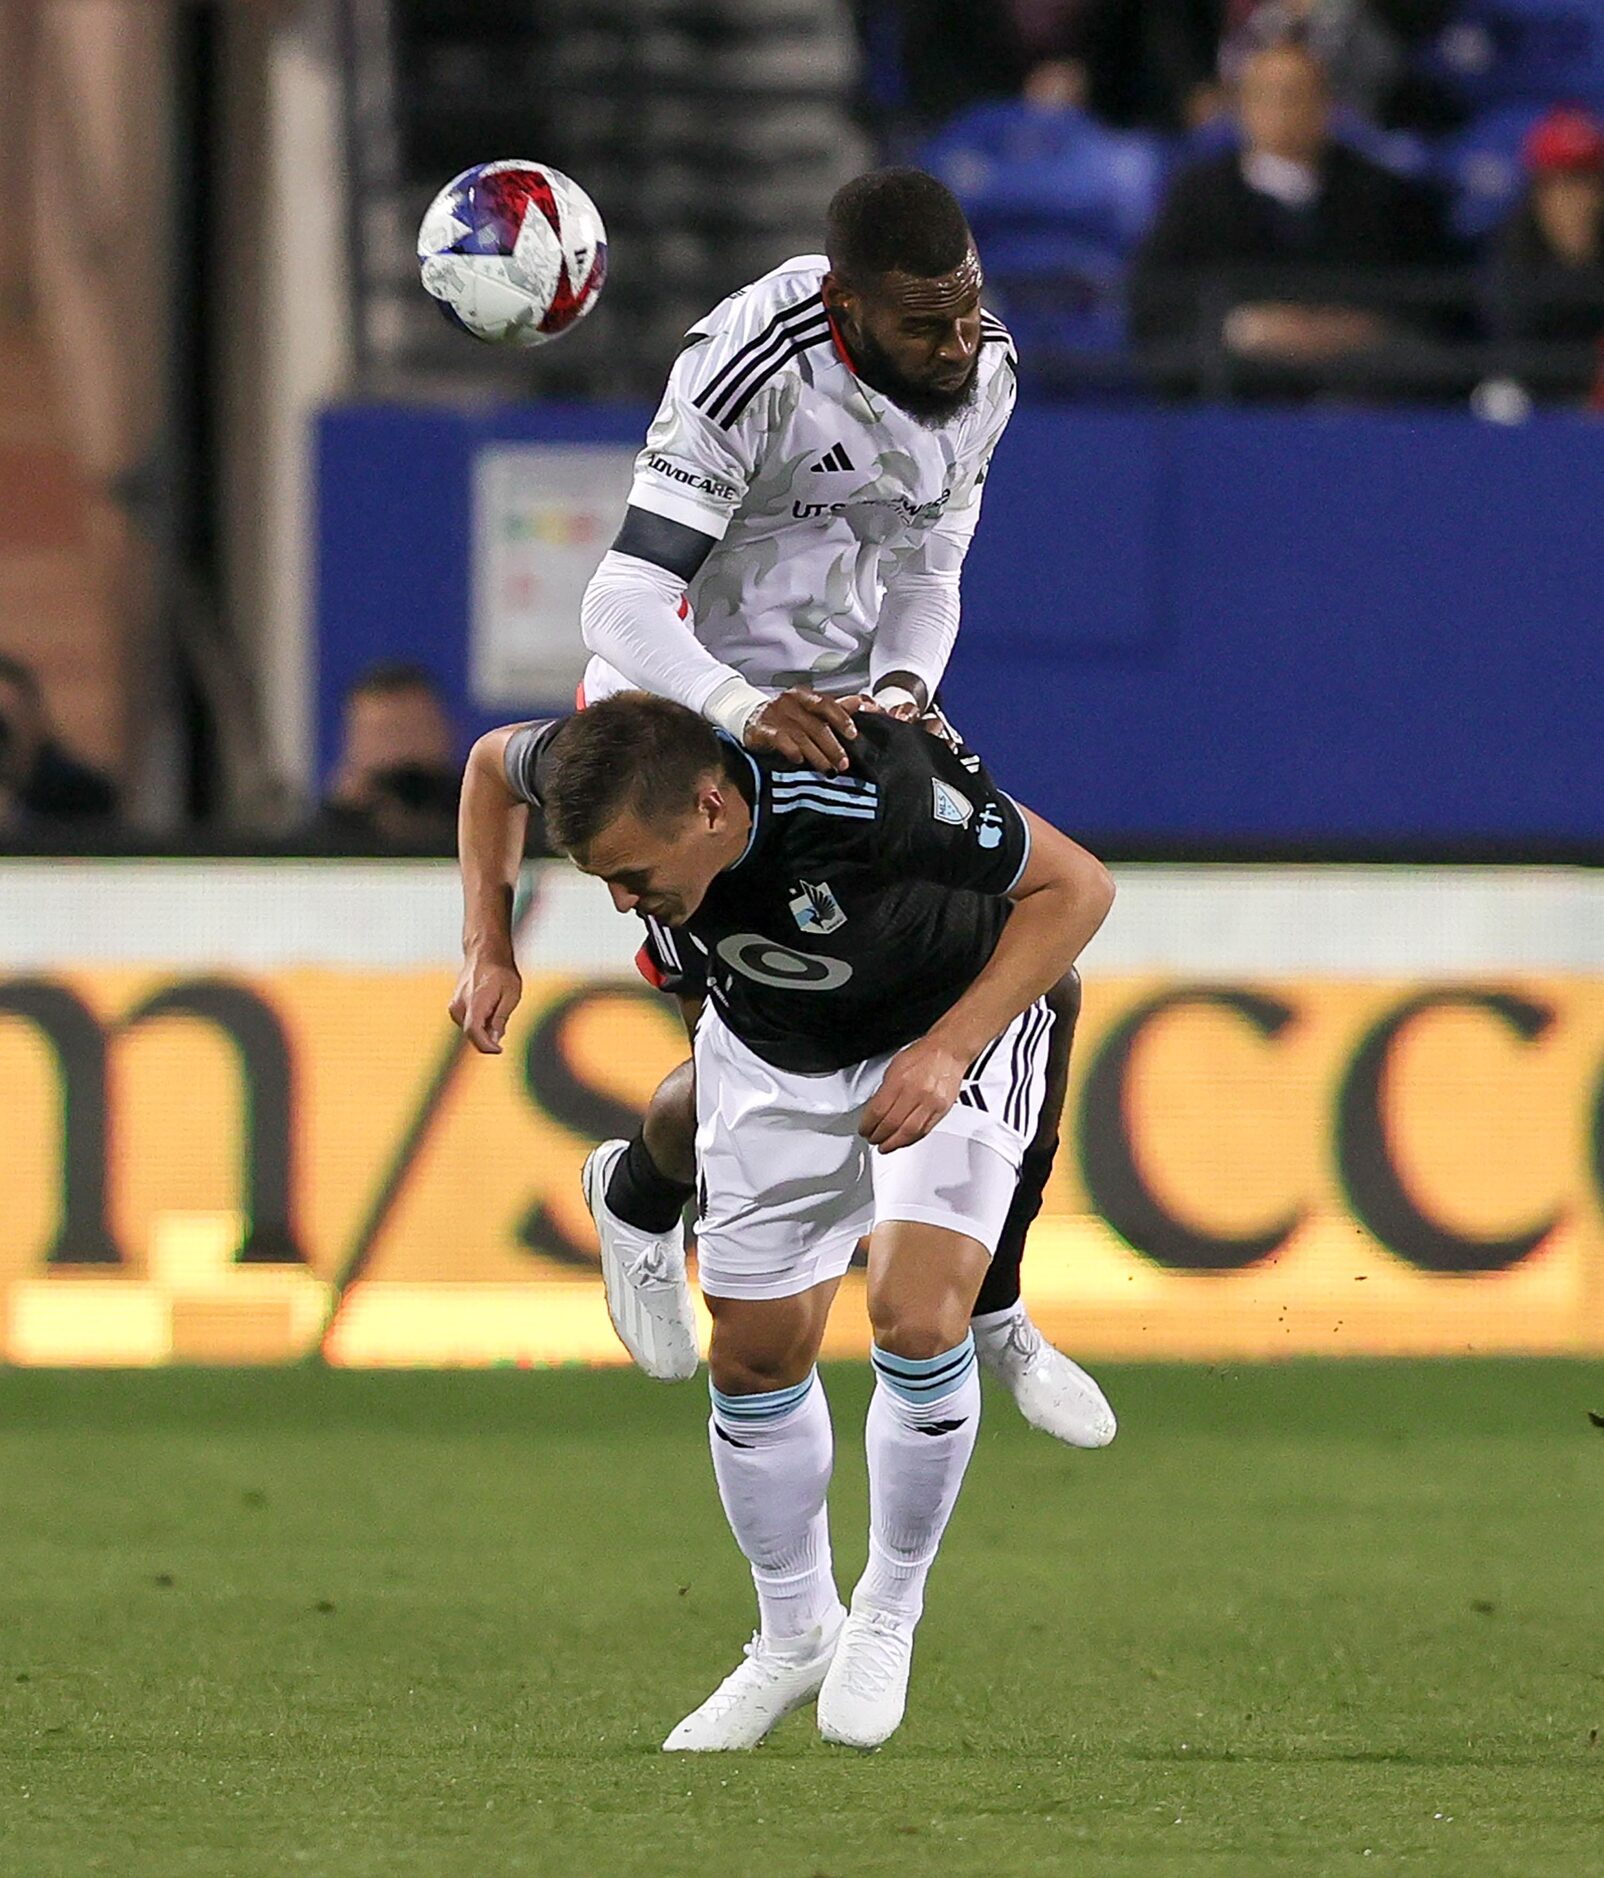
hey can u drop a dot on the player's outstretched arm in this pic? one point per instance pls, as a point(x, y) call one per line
point(491, 827)
point(1060, 899)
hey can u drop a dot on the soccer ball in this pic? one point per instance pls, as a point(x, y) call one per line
point(513, 252)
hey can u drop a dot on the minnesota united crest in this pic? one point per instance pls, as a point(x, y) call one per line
point(816, 907)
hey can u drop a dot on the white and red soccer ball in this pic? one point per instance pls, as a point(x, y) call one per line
point(514, 252)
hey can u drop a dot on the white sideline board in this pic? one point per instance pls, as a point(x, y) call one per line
point(255, 915)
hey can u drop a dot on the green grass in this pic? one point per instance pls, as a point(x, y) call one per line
point(1298, 1620)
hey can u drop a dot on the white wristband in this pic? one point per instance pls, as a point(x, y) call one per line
point(733, 706)
point(889, 697)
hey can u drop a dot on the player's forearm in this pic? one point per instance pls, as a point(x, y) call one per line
point(915, 635)
point(491, 826)
point(631, 618)
point(1046, 932)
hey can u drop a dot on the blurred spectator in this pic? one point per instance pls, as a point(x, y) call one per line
point(956, 52)
point(1165, 65)
point(1548, 266)
point(1145, 66)
point(1362, 58)
point(41, 782)
point(1129, 62)
point(398, 775)
point(1367, 47)
point(1266, 250)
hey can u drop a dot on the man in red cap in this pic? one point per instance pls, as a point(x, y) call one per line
point(1549, 275)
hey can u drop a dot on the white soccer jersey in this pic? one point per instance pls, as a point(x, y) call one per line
point(821, 493)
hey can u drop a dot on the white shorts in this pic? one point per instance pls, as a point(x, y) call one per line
point(788, 1185)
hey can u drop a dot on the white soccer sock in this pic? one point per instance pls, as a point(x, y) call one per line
point(923, 1419)
point(772, 1456)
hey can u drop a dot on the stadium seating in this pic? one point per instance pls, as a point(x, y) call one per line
point(710, 132)
point(1481, 167)
point(1058, 203)
point(1501, 52)
point(1018, 165)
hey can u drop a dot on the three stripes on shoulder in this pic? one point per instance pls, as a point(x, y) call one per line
point(792, 331)
point(849, 796)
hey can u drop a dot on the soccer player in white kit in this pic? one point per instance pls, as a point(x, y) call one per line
point(797, 526)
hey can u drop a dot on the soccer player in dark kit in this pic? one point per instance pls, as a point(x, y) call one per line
point(871, 1061)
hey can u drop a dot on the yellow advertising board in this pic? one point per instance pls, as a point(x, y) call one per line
point(258, 1168)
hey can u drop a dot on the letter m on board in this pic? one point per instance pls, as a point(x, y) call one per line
point(79, 1044)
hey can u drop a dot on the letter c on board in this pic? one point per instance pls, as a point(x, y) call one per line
point(1374, 1184)
point(1115, 1181)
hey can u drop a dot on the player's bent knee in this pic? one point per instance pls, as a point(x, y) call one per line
point(735, 1372)
point(919, 1333)
point(670, 1125)
point(922, 1282)
point(762, 1344)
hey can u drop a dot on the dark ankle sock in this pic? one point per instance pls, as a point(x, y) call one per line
point(999, 1289)
point(641, 1194)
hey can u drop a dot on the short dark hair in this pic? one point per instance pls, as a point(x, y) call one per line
point(24, 677)
point(385, 677)
point(632, 752)
point(895, 221)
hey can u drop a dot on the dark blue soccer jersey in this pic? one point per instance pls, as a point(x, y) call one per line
point(864, 905)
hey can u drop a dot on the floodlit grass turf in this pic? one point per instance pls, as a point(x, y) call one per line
point(1308, 1619)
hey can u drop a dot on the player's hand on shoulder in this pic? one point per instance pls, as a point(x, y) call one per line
point(804, 727)
point(486, 996)
point(921, 1084)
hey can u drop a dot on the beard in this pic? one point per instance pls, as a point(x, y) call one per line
point(929, 405)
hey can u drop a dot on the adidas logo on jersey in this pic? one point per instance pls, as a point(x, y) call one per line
point(833, 459)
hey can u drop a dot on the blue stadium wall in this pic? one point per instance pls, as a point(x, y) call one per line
point(1179, 627)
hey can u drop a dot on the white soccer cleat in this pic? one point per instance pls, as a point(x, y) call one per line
point(648, 1295)
point(772, 1681)
point(866, 1691)
point(1053, 1393)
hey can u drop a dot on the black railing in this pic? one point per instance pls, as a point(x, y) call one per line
point(1448, 333)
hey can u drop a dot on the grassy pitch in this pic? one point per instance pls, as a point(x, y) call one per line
point(1310, 1619)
